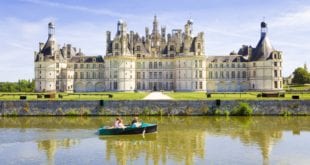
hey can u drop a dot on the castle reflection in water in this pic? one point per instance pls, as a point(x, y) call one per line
point(180, 139)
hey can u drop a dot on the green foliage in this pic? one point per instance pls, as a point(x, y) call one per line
point(243, 109)
point(301, 76)
point(20, 86)
point(286, 113)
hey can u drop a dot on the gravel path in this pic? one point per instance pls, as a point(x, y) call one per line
point(157, 96)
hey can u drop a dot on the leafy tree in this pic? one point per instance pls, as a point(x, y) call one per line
point(301, 76)
point(20, 86)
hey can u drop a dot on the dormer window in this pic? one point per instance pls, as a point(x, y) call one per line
point(138, 48)
point(94, 59)
point(198, 46)
point(172, 48)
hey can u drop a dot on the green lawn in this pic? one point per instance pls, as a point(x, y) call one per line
point(229, 96)
point(141, 95)
point(297, 87)
point(79, 96)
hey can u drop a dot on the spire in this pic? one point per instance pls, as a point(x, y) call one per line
point(155, 25)
point(305, 66)
point(51, 30)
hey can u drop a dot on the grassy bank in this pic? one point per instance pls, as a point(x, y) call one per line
point(231, 96)
point(78, 96)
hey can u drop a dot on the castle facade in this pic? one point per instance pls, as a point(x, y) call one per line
point(157, 61)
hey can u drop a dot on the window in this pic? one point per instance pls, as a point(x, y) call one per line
point(244, 74)
point(196, 64)
point(198, 46)
point(221, 74)
point(275, 64)
point(94, 75)
point(227, 74)
point(233, 74)
point(275, 73)
point(216, 75)
point(155, 65)
point(243, 65)
point(115, 85)
point(210, 75)
point(238, 74)
point(221, 65)
point(171, 75)
point(210, 65)
point(160, 65)
point(275, 84)
point(115, 74)
point(171, 48)
point(138, 55)
point(82, 66)
point(138, 85)
point(200, 85)
point(232, 65)
point(138, 48)
point(200, 74)
point(196, 85)
point(116, 46)
point(138, 75)
point(143, 74)
point(155, 75)
point(150, 75)
point(254, 73)
point(254, 64)
point(82, 75)
point(200, 63)
point(150, 65)
point(57, 65)
point(160, 75)
point(75, 66)
point(94, 65)
point(75, 75)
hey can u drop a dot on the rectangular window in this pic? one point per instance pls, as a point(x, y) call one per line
point(275, 64)
point(155, 65)
point(150, 75)
point(150, 65)
point(143, 75)
point(160, 75)
point(160, 64)
point(196, 64)
point(210, 75)
point(200, 74)
point(75, 66)
point(138, 75)
point(227, 74)
point(275, 73)
point(275, 84)
point(155, 75)
point(200, 63)
point(82, 66)
point(200, 85)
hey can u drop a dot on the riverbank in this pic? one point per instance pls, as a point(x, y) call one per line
point(151, 107)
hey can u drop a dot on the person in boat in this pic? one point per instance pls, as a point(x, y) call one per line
point(119, 123)
point(135, 122)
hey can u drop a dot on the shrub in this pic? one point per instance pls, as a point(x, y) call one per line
point(243, 109)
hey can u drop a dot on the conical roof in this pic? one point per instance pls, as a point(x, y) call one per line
point(263, 49)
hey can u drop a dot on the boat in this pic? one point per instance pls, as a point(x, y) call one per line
point(129, 129)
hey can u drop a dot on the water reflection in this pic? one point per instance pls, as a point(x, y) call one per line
point(182, 140)
point(50, 147)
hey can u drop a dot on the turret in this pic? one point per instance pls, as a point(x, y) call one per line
point(51, 30)
point(155, 25)
point(189, 27)
point(264, 29)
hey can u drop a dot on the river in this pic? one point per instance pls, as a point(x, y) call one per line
point(179, 140)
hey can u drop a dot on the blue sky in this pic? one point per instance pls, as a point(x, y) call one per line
point(227, 25)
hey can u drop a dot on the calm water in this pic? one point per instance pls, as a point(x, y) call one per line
point(180, 140)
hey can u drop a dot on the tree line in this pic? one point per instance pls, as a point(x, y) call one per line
point(301, 76)
point(20, 86)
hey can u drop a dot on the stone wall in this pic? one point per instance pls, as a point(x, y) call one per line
point(150, 107)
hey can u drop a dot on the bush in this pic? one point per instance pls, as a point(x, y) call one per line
point(243, 109)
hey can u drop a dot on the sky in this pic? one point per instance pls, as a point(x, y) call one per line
point(227, 26)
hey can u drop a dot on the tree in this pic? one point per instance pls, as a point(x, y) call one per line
point(301, 76)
